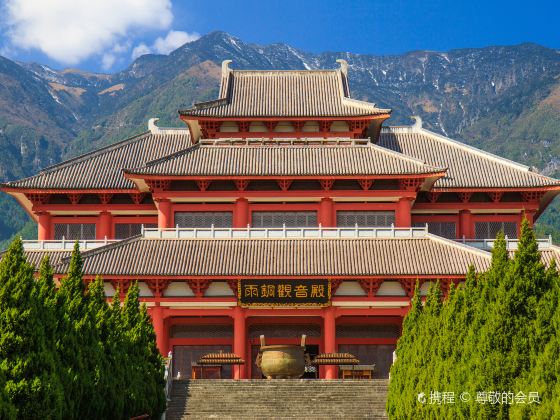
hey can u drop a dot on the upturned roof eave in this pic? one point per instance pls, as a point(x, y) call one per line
point(196, 113)
point(480, 257)
point(133, 173)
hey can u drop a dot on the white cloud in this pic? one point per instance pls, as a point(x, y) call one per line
point(70, 31)
point(172, 41)
point(107, 60)
point(139, 50)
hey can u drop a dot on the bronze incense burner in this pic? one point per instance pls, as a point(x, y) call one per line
point(282, 361)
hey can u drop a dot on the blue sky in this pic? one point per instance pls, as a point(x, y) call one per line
point(105, 35)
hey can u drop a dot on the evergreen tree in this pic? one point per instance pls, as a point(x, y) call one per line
point(77, 343)
point(506, 346)
point(105, 402)
point(27, 363)
point(470, 317)
point(7, 410)
point(146, 368)
point(544, 375)
point(445, 348)
point(426, 352)
point(155, 364)
point(119, 360)
point(411, 374)
point(45, 293)
point(67, 353)
point(401, 398)
point(499, 266)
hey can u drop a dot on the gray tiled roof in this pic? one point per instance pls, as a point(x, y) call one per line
point(429, 255)
point(418, 152)
point(35, 257)
point(264, 160)
point(315, 93)
point(468, 167)
point(102, 169)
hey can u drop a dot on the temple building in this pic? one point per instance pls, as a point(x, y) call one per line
point(284, 207)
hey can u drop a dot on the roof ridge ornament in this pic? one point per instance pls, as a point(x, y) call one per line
point(225, 67)
point(154, 129)
point(343, 66)
point(224, 83)
point(417, 126)
point(344, 87)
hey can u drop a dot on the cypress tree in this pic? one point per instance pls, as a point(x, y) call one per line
point(147, 367)
point(411, 374)
point(427, 345)
point(46, 296)
point(45, 292)
point(77, 342)
point(7, 410)
point(119, 360)
point(498, 267)
point(544, 375)
point(493, 334)
point(471, 315)
point(27, 364)
point(129, 317)
point(445, 345)
point(401, 398)
point(506, 343)
point(155, 364)
point(104, 401)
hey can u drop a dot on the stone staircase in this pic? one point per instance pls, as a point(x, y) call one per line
point(278, 399)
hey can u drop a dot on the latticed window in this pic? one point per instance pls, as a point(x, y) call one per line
point(201, 219)
point(444, 229)
point(489, 230)
point(271, 219)
point(74, 231)
point(126, 230)
point(365, 218)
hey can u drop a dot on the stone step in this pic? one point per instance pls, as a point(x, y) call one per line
point(278, 399)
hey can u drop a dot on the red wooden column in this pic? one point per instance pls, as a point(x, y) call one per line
point(239, 341)
point(403, 218)
point(329, 335)
point(466, 224)
point(241, 213)
point(103, 229)
point(326, 213)
point(44, 230)
point(158, 322)
point(165, 215)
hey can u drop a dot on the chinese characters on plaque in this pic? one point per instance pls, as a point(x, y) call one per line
point(284, 292)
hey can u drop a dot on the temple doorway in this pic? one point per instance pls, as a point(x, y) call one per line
point(373, 343)
point(193, 338)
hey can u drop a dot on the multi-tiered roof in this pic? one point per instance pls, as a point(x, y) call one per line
point(282, 126)
point(286, 94)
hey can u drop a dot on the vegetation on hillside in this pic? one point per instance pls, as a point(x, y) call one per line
point(485, 350)
point(67, 353)
point(505, 100)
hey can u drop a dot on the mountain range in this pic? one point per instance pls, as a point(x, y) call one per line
point(503, 99)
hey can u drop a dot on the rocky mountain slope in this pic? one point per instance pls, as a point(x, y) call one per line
point(502, 99)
